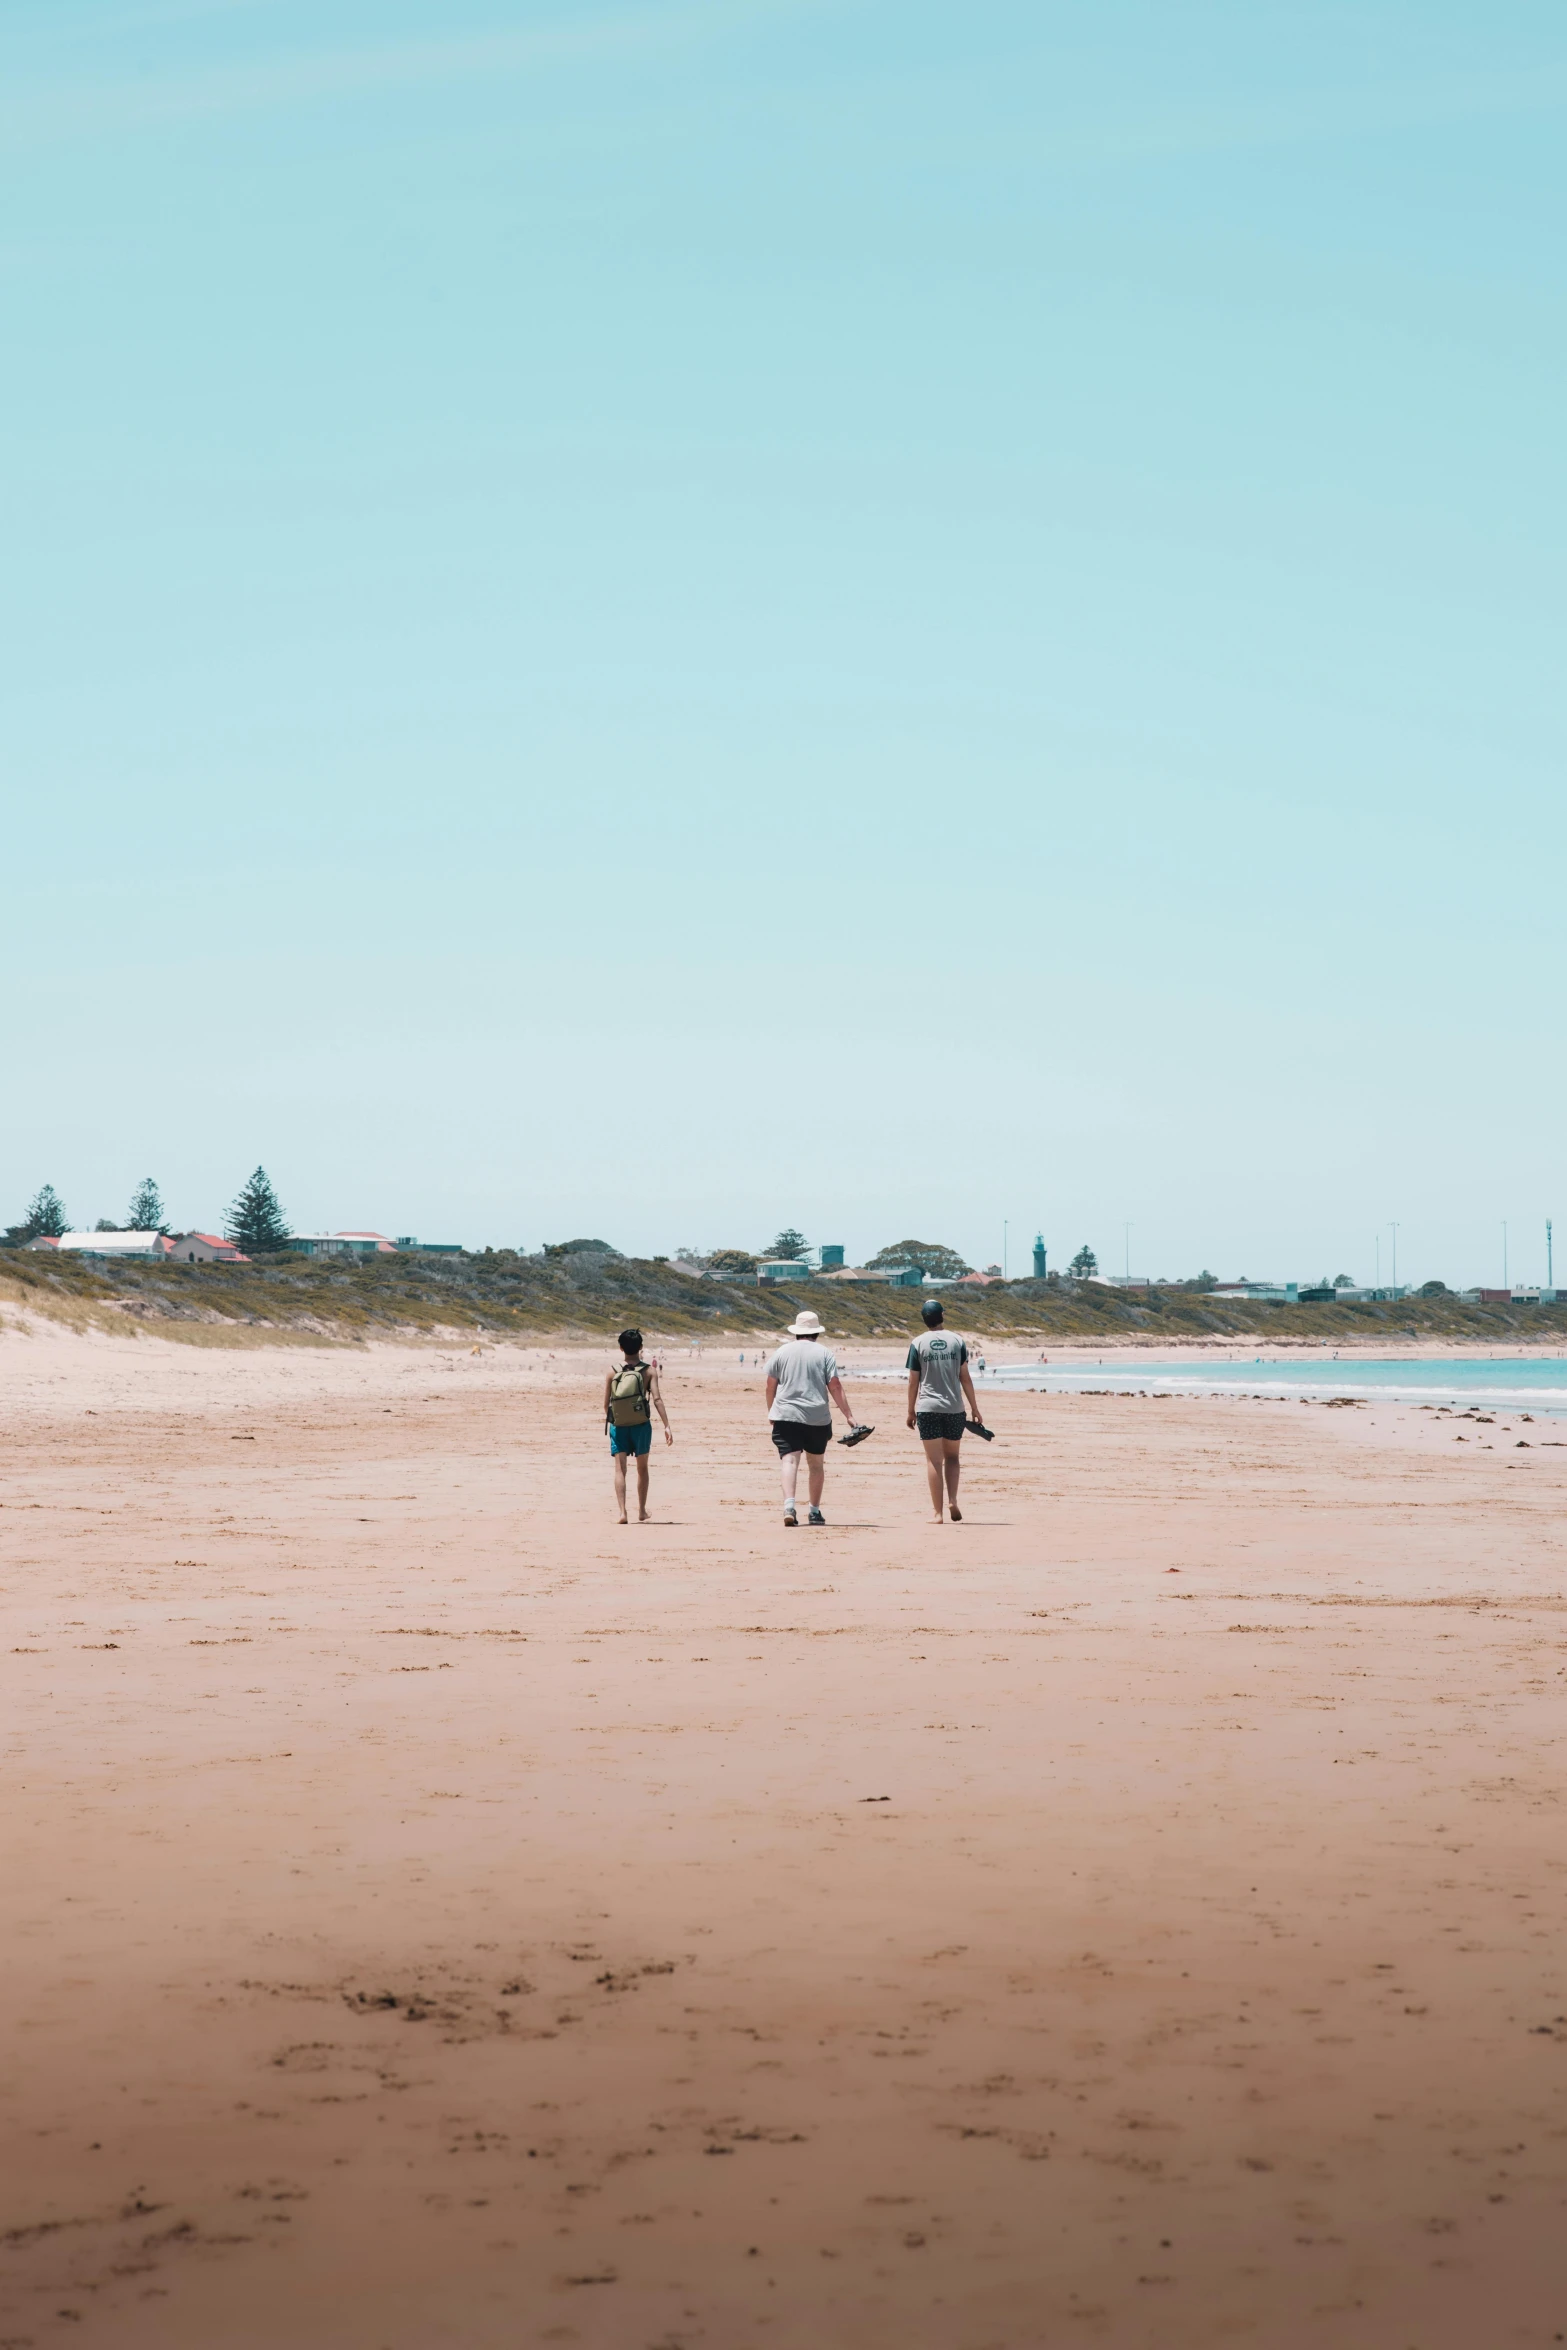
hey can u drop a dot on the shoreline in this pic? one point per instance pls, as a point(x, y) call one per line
point(1242, 1350)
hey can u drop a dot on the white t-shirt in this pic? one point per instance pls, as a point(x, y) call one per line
point(804, 1370)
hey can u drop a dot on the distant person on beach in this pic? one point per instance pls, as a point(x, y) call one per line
point(631, 1396)
point(939, 1385)
point(800, 1379)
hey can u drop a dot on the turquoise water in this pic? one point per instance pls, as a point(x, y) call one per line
point(1532, 1383)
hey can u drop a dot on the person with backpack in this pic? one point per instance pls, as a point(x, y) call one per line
point(942, 1403)
point(631, 1395)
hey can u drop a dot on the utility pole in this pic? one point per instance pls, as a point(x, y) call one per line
point(1550, 1270)
point(1376, 1242)
point(1394, 1229)
point(1126, 1261)
point(1003, 1248)
point(1506, 1284)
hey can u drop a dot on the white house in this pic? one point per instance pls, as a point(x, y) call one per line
point(116, 1244)
point(205, 1248)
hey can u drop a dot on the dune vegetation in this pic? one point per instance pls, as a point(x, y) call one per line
point(589, 1295)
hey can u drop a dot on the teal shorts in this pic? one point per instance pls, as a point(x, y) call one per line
point(637, 1439)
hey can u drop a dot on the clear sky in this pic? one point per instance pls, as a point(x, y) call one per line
point(656, 619)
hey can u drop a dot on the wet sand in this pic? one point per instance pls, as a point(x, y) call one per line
point(440, 1916)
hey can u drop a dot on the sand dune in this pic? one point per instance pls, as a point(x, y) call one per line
point(439, 1916)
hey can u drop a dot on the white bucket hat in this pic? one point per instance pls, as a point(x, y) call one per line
point(805, 1324)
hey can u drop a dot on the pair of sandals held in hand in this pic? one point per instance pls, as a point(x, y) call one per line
point(858, 1433)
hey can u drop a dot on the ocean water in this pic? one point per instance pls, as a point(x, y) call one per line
point(1526, 1383)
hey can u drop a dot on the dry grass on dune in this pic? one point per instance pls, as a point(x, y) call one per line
point(305, 1301)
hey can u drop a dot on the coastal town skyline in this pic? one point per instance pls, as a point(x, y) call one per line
point(1521, 1251)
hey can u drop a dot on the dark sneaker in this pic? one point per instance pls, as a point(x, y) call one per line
point(815, 1518)
point(789, 1516)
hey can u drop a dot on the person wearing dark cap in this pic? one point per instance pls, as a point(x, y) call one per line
point(939, 1385)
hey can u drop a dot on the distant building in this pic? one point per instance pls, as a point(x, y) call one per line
point(1039, 1256)
point(900, 1276)
point(783, 1269)
point(204, 1248)
point(825, 1257)
point(116, 1244)
point(43, 1241)
point(342, 1244)
point(430, 1248)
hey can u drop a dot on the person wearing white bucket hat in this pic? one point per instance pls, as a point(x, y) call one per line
point(801, 1378)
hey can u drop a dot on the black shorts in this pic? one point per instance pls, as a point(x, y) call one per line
point(947, 1425)
point(800, 1436)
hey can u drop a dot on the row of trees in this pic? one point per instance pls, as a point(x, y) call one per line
point(927, 1256)
point(46, 1218)
point(255, 1224)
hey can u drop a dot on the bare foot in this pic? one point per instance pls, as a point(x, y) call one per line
point(955, 1514)
point(622, 1521)
point(643, 1519)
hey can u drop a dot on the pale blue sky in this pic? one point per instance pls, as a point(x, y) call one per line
point(657, 619)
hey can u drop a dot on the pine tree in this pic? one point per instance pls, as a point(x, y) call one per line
point(256, 1223)
point(46, 1218)
point(1083, 1264)
point(789, 1243)
point(145, 1213)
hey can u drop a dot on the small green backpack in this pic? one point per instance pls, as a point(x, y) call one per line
point(628, 1396)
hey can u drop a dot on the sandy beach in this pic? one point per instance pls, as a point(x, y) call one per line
point(441, 1916)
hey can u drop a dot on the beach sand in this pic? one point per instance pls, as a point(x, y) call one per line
point(440, 1916)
